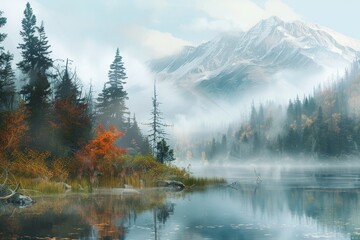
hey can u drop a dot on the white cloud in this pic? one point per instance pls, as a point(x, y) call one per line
point(238, 14)
point(280, 9)
point(241, 13)
point(218, 25)
point(154, 9)
point(154, 5)
point(154, 43)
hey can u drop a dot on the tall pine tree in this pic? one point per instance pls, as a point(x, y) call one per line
point(111, 108)
point(30, 40)
point(7, 75)
point(34, 65)
point(43, 60)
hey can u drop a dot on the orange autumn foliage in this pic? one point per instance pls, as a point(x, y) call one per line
point(13, 127)
point(101, 152)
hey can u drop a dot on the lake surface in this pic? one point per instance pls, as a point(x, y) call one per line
point(305, 203)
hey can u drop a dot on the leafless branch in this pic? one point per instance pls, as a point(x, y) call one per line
point(13, 192)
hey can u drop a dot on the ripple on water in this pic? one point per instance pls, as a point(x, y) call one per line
point(329, 235)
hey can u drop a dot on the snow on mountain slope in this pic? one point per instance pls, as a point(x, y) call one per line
point(236, 61)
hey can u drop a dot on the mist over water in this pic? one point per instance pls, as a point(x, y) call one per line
point(269, 168)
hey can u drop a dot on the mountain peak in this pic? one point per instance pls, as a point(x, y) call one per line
point(273, 20)
point(266, 25)
point(232, 61)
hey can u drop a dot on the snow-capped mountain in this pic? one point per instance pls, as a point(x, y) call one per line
point(241, 60)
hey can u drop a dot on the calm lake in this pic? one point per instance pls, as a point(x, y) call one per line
point(288, 203)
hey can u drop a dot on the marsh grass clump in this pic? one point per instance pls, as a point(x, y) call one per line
point(201, 182)
point(36, 186)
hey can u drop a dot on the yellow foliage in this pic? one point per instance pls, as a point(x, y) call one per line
point(306, 121)
point(293, 125)
point(36, 186)
point(31, 163)
point(60, 169)
point(335, 121)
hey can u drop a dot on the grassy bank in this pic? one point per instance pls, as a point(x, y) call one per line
point(40, 177)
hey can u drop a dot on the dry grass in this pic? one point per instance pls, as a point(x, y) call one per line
point(37, 186)
point(32, 170)
point(203, 182)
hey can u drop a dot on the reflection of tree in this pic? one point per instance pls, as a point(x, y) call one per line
point(111, 215)
point(164, 211)
point(48, 223)
point(79, 216)
point(102, 213)
point(330, 207)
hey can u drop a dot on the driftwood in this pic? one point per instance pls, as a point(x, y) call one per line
point(6, 193)
point(12, 196)
point(171, 185)
point(20, 200)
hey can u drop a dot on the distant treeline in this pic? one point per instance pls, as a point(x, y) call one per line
point(323, 124)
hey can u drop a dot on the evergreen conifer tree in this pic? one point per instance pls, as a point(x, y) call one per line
point(7, 75)
point(28, 48)
point(66, 89)
point(111, 108)
point(71, 121)
point(34, 65)
point(164, 153)
point(7, 83)
point(43, 60)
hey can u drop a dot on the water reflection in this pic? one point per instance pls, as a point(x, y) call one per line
point(104, 216)
point(294, 205)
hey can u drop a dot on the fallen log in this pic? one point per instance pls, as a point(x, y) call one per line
point(6, 193)
point(10, 196)
point(20, 200)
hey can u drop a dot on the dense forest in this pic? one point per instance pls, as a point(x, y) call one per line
point(321, 125)
point(50, 127)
